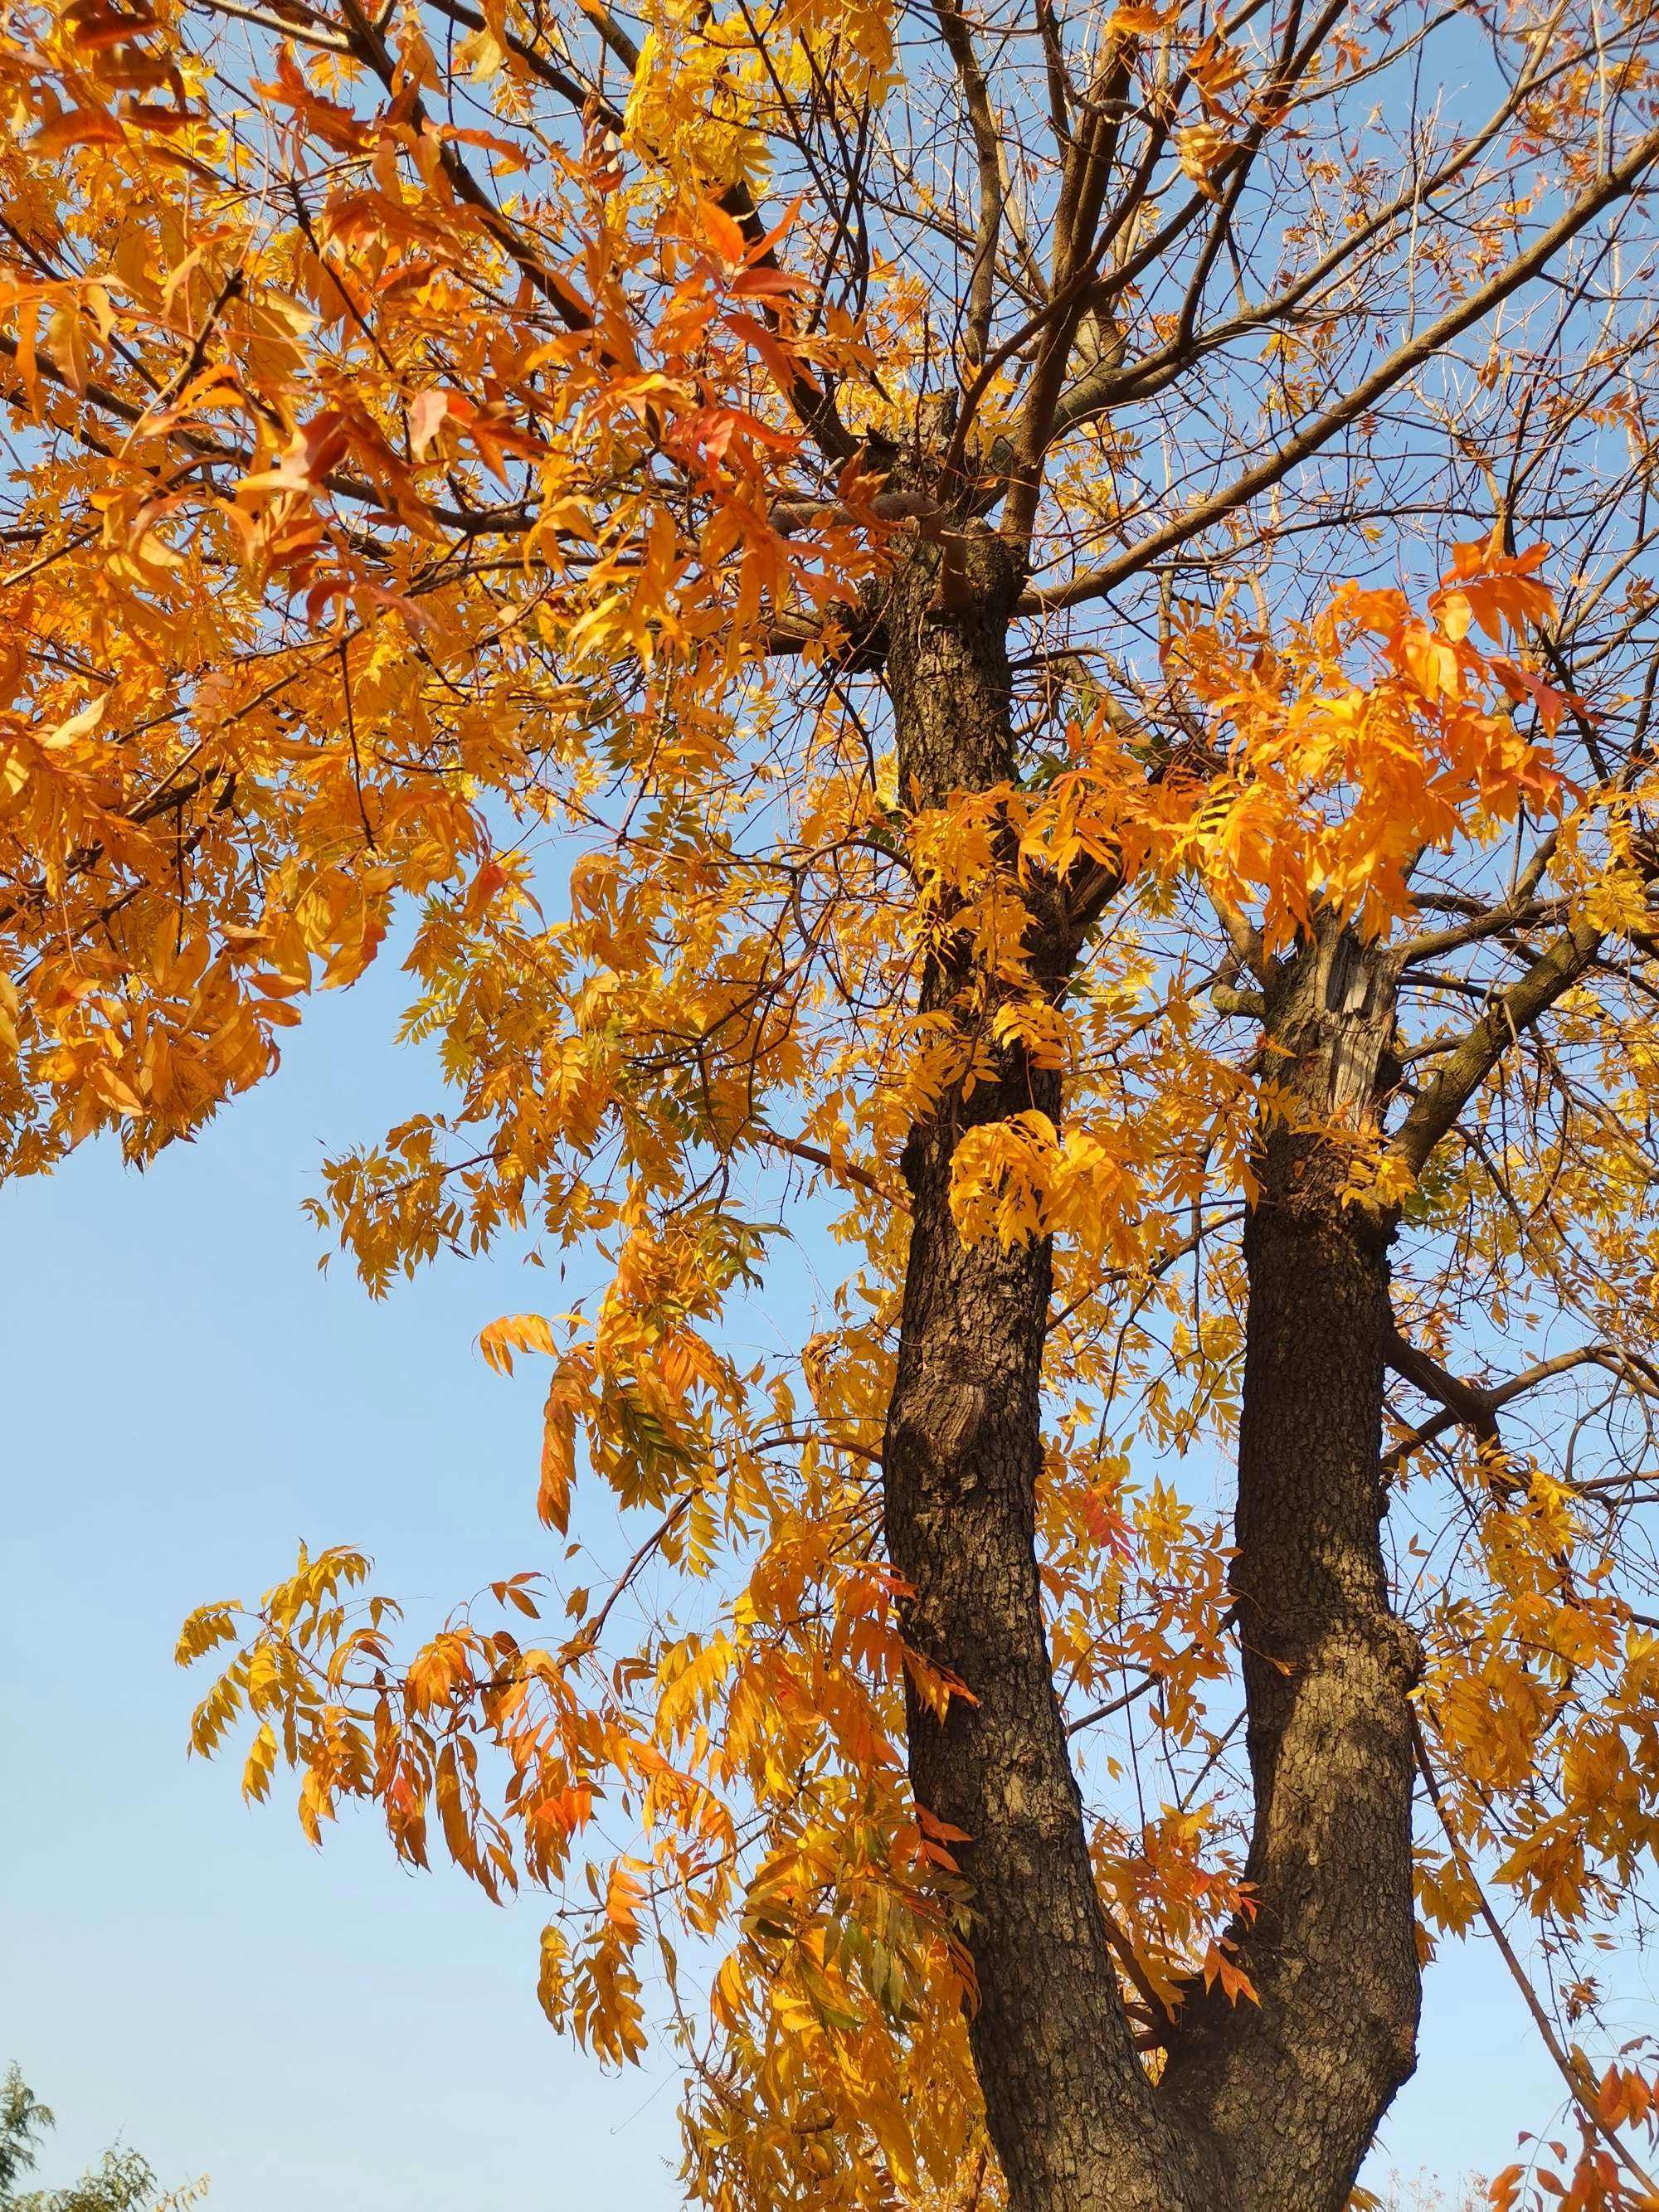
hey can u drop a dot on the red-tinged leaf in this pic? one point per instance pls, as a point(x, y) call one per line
point(721, 234)
point(558, 1467)
point(78, 127)
point(764, 283)
point(787, 371)
point(769, 242)
point(509, 155)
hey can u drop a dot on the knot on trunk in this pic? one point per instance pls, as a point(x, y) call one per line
point(955, 571)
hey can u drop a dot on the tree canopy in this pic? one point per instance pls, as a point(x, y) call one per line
point(1015, 646)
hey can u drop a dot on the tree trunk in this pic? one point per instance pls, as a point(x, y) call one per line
point(1294, 2086)
point(1070, 2108)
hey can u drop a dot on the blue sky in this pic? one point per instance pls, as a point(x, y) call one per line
point(184, 1397)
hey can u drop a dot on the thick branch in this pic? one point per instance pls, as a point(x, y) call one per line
point(1467, 1065)
point(1475, 1405)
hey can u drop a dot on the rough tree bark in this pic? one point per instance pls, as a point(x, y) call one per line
point(1070, 2108)
point(1266, 2108)
point(1293, 2086)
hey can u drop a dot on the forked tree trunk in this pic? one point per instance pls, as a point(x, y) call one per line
point(1260, 2109)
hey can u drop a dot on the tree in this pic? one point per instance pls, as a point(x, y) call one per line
point(944, 621)
point(23, 2118)
point(122, 2180)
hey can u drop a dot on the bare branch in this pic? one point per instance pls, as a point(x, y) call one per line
point(1617, 183)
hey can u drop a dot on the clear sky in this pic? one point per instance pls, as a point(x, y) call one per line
point(184, 1396)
